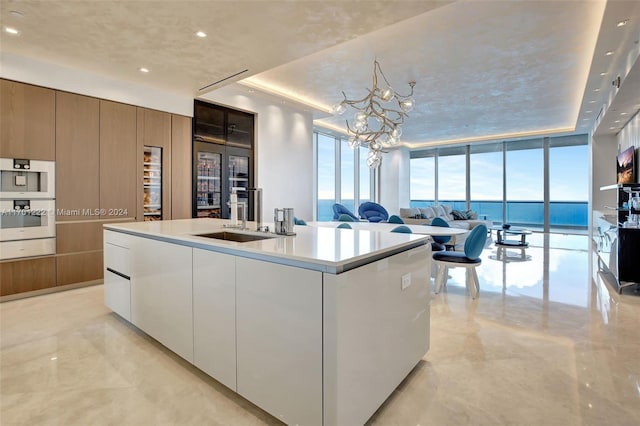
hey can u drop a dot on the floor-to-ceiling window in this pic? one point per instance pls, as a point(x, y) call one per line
point(524, 177)
point(342, 175)
point(506, 181)
point(423, 181)
point(326, 172)
point(568, 182)
point(452, 177)
point(486, 180)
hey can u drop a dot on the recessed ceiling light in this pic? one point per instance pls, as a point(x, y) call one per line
point(201, 34)
point(251, 91)
point(588, 112)
point(592, 102)
point(622, 23)
point(612, 128)
point(603, 73)
point(11, 30)
point(609, 52)
point(616, 121)
point(585, 119)
point(596, 90)
point(143, 69)
point(623, 113)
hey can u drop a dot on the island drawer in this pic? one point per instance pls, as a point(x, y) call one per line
point(116, 259)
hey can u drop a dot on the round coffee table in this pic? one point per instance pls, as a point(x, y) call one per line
point(522, 232)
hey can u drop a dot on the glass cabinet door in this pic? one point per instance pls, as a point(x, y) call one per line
point(152, 183)
point(239, 177)
point(208, 184)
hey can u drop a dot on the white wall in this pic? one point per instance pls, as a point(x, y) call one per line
point(33, 71)
point(630, 136)
point(603, 171)
point(394, 180)
point(284, 149)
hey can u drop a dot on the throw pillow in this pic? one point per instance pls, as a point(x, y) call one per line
point(472, 215)
point(459, 215)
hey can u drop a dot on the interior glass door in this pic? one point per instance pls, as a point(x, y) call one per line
point(208, 184)
point(239, 178)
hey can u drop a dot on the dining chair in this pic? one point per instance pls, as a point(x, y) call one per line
point(442, 240)
point(345, 218)
point(470, 260)
point(395, 219)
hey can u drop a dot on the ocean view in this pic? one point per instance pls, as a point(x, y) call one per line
point(570, 214)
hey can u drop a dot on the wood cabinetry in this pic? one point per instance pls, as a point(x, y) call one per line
point(27, 121)
point(78, 237)
point(117, 160)
point(154, 130)
point(77, 156)
point(27, 275)
point(78, 267)
point(181, 167)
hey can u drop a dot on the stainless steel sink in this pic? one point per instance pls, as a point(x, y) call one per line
point(235, 236)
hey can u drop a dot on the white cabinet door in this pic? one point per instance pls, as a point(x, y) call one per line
point(162, 293)
point(279, 339)
point(376, 329)
point(214, 315)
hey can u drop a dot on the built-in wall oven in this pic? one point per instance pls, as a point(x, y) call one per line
point(27, 208)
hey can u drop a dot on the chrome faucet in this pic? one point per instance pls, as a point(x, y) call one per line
point(258, 209)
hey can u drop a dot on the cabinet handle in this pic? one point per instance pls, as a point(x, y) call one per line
point(126, 277)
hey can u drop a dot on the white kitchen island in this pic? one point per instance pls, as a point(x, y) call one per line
point(317, 328)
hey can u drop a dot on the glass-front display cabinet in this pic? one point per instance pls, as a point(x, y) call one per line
point(152, 183)
point(222, 159)
point(208, 184)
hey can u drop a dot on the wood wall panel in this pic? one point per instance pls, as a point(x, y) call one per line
point(117, 160)
point(77, 155)
point(154, 129)
point(79, 236)
point(27, 275)
point(27, 121)
point(78, 268)
point(181, 161)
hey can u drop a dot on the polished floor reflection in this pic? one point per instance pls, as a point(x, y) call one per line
point(546, 343)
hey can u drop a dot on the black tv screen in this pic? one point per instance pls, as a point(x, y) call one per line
point(626, 166)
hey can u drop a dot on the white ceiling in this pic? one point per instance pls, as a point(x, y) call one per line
point(484, 69)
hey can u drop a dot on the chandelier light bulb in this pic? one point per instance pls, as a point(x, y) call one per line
point(360, 116)
point(407, 104)
point(393, 140)
point(387, 94)
point(396, 132)
point(374, 159)
point(339, 108)
point(354, 142)
point(360, 126)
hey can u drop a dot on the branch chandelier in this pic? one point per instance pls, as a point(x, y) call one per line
point(374, 125)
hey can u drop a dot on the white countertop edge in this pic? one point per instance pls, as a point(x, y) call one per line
point(288, 260)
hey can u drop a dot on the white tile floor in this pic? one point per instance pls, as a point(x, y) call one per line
point(546, 343)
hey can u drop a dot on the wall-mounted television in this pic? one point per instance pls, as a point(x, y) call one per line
point(626, 166)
